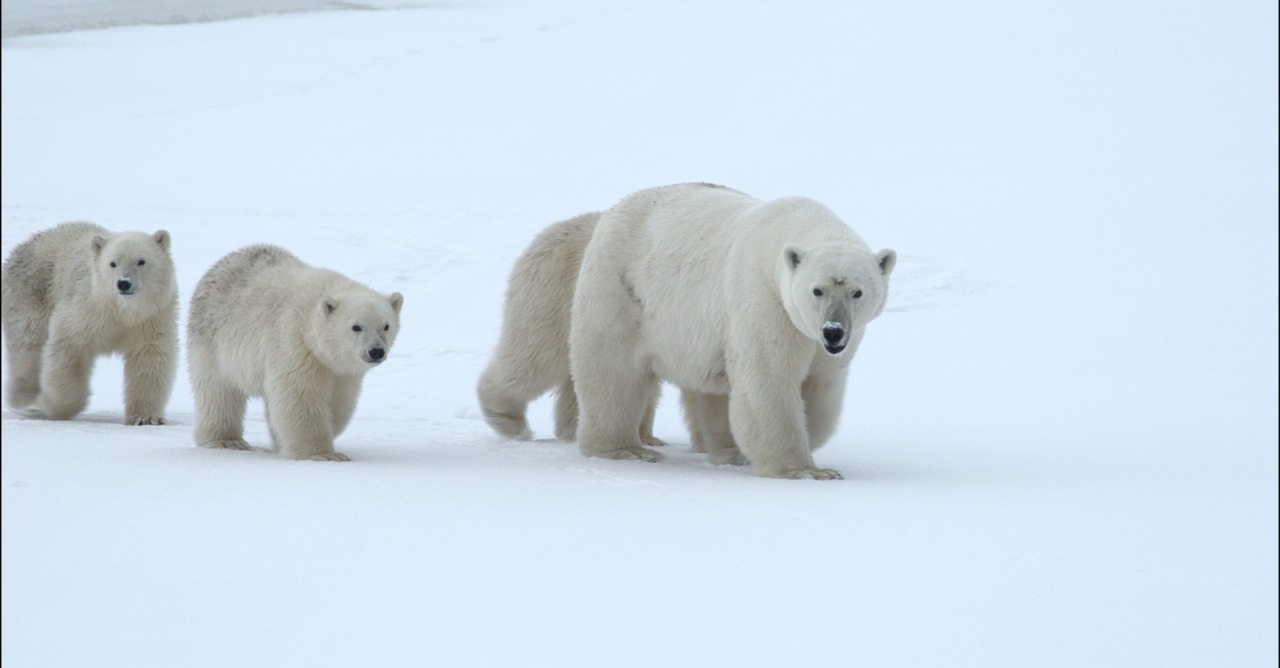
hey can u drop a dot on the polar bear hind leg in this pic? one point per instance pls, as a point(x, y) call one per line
point(64, 375)
point(24, 374)
point(517, 375)
point(707, 417)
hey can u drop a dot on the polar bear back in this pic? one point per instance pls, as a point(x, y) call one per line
point(697, 258)
point(56, 263)
point(252, 310)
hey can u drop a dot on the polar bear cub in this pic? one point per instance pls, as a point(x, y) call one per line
point(75, 292)
point(265, 324)
point(754, 309)
point(532, 355)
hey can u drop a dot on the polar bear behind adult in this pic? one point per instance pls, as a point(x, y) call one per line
point(75, 292)
point(532, 355)
point(754, 309)
point(265, 324)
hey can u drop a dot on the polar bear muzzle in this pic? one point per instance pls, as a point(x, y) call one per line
point(834, 337)
point(375, 355)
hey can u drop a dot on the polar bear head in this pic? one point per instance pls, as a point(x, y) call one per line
point(353, 329)
point(136, 267)
point(832, 290)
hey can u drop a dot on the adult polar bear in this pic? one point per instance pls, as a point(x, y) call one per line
point(754, 309)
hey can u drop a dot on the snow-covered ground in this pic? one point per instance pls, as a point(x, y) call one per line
point(1059, 442)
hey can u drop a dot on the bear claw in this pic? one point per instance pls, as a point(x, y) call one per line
point(233, 444)
point(628, 452)
point(329, 457)
point(139, 420)
point(813, 474)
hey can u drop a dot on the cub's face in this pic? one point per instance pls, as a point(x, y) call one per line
point(133, 265)
point(832, 291)
point(358, 329)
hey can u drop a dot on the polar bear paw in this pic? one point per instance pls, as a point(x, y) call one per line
point(31, 411)
point(627, 452)
point(329, 457)
point(730, 456)
point(139, 420)
point(652, 441)
point(812, 474)
point(231, 444)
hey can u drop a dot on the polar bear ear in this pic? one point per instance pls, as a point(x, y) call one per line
point(97, 243)
point(792, 255)
point(162, 238)
point(888, 259)
point(328, 305)
point(397, 300)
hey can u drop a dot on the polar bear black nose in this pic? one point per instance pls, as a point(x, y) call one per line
point(124, 285)
point(376, 354)
point(833, 333)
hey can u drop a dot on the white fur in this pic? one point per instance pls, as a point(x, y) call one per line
point(713, 290)
point(264, 324)
point(532, 355)
point(75, 292)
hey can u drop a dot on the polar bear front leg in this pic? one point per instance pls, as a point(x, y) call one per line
point(767, 416)
point(566, 416)
point(614, 390)
point(611, 415)
point(220, 406)
point(823, 393)
point(342, 406)
point(148, 380)
point(612, 399)
point(301, 424)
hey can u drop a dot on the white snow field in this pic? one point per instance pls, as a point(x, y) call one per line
point(1059, 442)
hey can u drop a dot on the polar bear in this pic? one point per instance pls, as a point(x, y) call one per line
point(75, 292)
point(754, 309)
point(265, 324)
point(532, 355)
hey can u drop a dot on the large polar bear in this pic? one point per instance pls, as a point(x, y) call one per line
point(75, 292)
point(754, 309)
point(532, 355)
point(265, 324)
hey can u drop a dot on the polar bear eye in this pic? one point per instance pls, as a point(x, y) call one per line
point(357, 328)
point(386, 328)
point(141, 262)
point(857, 294)
point(113, 265)
point(817, 292)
